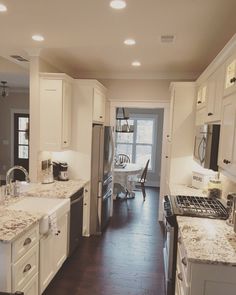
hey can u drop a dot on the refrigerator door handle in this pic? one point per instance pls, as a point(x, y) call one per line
point(112, 149)
point(99, 189)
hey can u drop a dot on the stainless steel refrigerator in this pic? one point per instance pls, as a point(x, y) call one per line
point(101, 178)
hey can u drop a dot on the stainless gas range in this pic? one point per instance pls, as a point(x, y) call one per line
point(184, 206)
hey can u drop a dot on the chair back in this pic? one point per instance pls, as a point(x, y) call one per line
point(144, 173)
point(123, 158)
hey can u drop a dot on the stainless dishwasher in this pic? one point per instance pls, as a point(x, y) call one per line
point(76, 220)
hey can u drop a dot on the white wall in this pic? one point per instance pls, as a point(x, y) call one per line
point(137, 90)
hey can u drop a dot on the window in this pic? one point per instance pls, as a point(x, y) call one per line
point(140, 145)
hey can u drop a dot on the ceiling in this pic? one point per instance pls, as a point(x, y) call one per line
point(85, 37)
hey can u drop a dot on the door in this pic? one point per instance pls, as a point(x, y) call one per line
point(21, 143)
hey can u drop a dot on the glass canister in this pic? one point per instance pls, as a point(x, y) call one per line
point(214, 189)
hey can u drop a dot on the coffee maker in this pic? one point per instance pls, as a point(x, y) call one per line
point(60, 171)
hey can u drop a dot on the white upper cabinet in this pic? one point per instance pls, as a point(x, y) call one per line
point(214, 96)
point(230, 75)
point(99, 106)
point(227, 152)
point(55, 112)
point(202, 95)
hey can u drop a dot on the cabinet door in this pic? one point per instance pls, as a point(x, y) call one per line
point(66, 114)
point(46, 266)
point(230, 75)
point(32, 287)
point(60, 243)
point(227, 153)
point(50, 114)
point(200, 117)
point(215, 95)
point(202, 96)
point(99, 100)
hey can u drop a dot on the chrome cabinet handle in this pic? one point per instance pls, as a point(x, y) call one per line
point(180, 276)
point(27, 241)
point(27, 268)
point(184, 261)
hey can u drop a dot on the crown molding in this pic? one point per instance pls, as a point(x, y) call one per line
point(140, 75)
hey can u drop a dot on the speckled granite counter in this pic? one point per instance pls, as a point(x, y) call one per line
point(14, 223)
point(57, 189)
point(181, 189)
point(208, 240)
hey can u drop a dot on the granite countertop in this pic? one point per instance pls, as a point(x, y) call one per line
point(185, 190)
point(14, 223)
point(208, 241)
point(57, 189)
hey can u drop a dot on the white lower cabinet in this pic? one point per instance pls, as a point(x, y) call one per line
point(32, 287)
point(193, 278)
point(19, 263)
point(53, 252)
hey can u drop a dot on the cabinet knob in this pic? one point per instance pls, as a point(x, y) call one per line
point(210, 114)
point(27, 241)
point(27, 268)
point(180, 276)
point(86, 190)
point(233, 80)
point(167, 157)
point(199, 102)
point(65, 141)
point(167, 135)
point(100, 117)
point(85, 204)
point(226, 161)
point(184, 261)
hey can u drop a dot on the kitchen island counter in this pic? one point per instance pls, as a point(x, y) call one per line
point(208, 241)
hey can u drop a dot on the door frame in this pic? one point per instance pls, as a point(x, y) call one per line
point(13, 112)
point(150, 104)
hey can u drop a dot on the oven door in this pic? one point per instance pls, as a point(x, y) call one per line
point(169, 260)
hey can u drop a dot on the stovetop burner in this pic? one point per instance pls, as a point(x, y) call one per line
point(200, 207)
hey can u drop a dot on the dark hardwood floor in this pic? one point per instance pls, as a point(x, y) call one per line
point(125, 260)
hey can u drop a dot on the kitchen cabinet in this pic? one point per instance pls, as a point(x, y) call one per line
point(55, 112)
point(180, 139)
point(99, 105)
point(200, 116)
point(230, 75)
point(193, 278)
point(20, 263)
point(202, 95)
point(227, 150)
point(53, 252)
point(214, 97)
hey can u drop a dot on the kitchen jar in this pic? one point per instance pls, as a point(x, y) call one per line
point(214, 188)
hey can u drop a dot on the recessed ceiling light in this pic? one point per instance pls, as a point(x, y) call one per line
point(136, 63)
point(118, 4)
point(38, 38)
point(3, 8)
point(167, 38)
point(129, 42)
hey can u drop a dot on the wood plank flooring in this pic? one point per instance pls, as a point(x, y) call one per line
point(125, 260)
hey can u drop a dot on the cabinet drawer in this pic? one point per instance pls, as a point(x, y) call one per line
point(183, 262)
point(24, 243)
point(183, 287)
point(32, 287)
point(25, 269)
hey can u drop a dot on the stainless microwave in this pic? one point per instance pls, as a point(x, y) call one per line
point(206, 145)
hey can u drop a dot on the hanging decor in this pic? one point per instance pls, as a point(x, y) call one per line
point(122, 124)
point(4, 89)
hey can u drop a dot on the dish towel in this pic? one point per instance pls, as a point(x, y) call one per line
point(53, 223)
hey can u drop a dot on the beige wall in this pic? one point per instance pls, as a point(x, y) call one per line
point(13, 101)
point(137, 89)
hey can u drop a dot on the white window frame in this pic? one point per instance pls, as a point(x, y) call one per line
point(134, 144)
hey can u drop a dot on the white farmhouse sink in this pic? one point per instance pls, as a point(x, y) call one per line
point(43, 205)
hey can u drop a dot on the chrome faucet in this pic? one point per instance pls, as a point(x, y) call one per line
point(8, 178)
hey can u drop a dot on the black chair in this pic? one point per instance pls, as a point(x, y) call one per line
point(123, 158)
point(142, 180)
